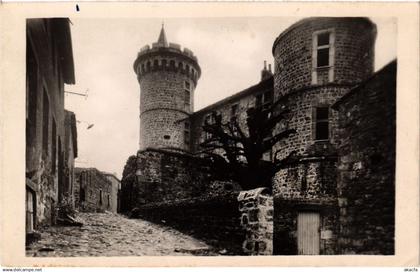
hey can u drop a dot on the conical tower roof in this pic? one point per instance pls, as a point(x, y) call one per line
point(162, 41)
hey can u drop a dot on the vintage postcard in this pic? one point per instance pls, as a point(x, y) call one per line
point(210, 134)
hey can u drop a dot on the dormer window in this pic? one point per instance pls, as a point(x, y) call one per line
point(323, 57)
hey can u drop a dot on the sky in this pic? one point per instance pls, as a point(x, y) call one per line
point(230, 52)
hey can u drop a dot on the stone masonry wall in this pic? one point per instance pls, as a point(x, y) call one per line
point(216, 220)
point(366, 183)
point(162, 176)
point(353, 52)
point(163, 107)
point(256, 207)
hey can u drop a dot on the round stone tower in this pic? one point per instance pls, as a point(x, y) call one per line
point(317, 61)
point(168, 77)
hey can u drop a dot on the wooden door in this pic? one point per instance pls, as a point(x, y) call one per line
point(308, 233)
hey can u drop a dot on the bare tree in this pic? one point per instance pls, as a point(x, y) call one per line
point(236, 152)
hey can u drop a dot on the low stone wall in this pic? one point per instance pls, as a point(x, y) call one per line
point(256, 207)
point(213, 219)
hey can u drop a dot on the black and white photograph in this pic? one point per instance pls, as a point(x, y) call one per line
point(209, 134)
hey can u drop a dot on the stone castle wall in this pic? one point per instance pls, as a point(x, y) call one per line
point(310, 181)
point(353, 52)
point(366, 181)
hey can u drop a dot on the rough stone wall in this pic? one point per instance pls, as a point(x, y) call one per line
point(354, 52)
point(366, 183)
point(162, 176)
point(215, 220)
point(257, 220)
point(115, 191)
point(45, 82)
point(164, 106)
point(311, 179)
point(92, 182)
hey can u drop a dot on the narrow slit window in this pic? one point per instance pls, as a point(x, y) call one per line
point(322, 123)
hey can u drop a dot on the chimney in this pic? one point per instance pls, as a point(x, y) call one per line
point(266, 73)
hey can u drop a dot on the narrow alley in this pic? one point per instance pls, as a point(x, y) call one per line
point(109, 234)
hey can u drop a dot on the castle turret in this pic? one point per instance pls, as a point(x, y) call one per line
point(168, 77)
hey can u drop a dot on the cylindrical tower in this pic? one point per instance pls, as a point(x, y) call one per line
point(168, 77)
point(317, 61)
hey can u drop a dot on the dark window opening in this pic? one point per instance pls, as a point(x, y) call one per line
point(323, 57)
point(54, 146)
point(264, 100)
point(45, 122)
point(324, 39)
point(82, 194)
point(322, 123)
point(187, 97)
point(187, 85)
point(172, 64)
point(166, 137)
point(100, 197)
point(187, 133)
point(109, 201)
point(234, 111)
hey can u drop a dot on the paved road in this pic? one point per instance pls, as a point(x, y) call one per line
point(107, 234)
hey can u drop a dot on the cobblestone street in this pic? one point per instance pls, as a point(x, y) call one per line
point(108, 234)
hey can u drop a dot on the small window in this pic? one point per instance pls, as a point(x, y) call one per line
point(109, 201)
point(264, 100)
point(166, 137)
point(209, 119)
point(45, 122)
point(82, 194)
point(234, 111)
point(100, 197)
point(187, 97)
point(187, 85)
point(187, 133)
point(323, 49)
point(323, 57)
point(324, 39)
point(322, 123)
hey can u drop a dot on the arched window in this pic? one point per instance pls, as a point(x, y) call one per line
point(164, 63)
point(155, 64)
point(148, 65)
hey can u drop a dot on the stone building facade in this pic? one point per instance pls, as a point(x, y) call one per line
point(116, 191)
point(93, 191)
point(49, 65)
point(317, 61)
